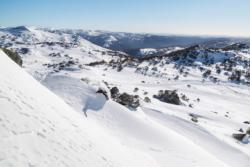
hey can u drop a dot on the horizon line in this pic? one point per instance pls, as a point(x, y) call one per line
point(134, 32)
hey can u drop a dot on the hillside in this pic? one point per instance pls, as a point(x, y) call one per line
point(170, 106)
point(39, 129)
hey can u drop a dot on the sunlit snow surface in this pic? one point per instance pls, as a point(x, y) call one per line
point(39, 129)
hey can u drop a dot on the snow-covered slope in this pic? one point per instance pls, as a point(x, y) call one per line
point(149, 52)
point(39, 129)
point(164, 131)
point(196, 133)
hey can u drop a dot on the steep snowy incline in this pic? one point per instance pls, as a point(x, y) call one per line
point(38, 129)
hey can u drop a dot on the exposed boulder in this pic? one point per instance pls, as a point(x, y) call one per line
point(243, 137)
point(147, 100)
point(239, 136)
point(176, 77)
point(194, 117)
point(168, 96)
point(136, 89)
point(246, 122)
point(236, 76)
point(114, 92)
point(191, 105)
point(184, 97)
point(206, 73)
point(130, 101)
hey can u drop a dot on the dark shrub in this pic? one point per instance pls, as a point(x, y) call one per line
point(14, 56)
point(114, 92)
point(128, 100)
point(168, 96)
point(147, 100)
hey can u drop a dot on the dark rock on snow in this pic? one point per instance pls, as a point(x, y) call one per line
point(147, 100)
point(114, 92)
point(130, 101)
point(168, 96)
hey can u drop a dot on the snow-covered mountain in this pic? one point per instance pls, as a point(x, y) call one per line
point(173, 106)
point(41, 48)
point(150, 52)
point(122, 41)
point(40, 129)
point(127, 41)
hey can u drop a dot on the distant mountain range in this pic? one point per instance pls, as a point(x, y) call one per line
point(129, 41)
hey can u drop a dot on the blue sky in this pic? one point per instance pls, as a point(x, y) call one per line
point(191, 17)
